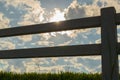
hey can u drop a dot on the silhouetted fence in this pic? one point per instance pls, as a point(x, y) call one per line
point(108, 49)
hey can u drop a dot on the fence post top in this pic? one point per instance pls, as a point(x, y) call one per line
point(108, 9)
point(112, 7)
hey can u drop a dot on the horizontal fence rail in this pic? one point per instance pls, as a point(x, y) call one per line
point(50, 27)
point(90, 22)
point(59, 51)
point(76, 50)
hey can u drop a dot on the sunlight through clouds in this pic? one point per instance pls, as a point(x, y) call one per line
point(57, 16)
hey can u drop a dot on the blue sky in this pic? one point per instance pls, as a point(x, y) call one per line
point(16, 13)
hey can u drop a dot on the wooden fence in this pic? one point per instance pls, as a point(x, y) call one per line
point(108, 49)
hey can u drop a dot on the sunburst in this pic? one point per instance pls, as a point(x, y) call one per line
point(57, 16)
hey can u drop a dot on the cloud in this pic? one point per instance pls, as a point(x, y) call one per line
point(51, 39)
point(57, 16)
point(34, 11)
point(11, 65)
point(74, 10)
point(13, 69)
point(90, 63)
point(65, 43)
point(4, 21)
point(106, 3)
point(70, 33)
point(98, 41)
point(29, 66)
point(34, 14)
point(25, 38)
point(45, 36)
point(118, 35)
point(52, 69)
point(83, 64)
point(37, 65)
point(53, 60)
point(25, 23)
point(3, 65)
point(92, 57)
point(7, 45)
point(45, 43)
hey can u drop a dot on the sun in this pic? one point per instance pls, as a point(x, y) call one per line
point(57, 16)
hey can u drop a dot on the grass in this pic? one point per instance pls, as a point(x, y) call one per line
point(49, 76)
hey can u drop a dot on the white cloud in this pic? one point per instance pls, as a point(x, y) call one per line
point(74, 10)
point(29, 66)
point(65, 43)
point(98, 31)
point(13, 69)
point(4, 21)
point(33, 7)
point(25, 38)
point(113, 3)
point(34, 14)
point(83, 64)
point(3, 65)
point(7, 45)
point(118, 37)
point(57, 16)
point(45, 43)
point(41, 61)
point(71, 34)
point(25, 22)
point(35, 65)
point(53, 60)
point(52, 69)
point(45, 36)
point(98, 41)
point(92, 57)
point(11, 66)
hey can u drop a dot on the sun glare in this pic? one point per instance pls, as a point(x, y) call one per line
point(57, 16)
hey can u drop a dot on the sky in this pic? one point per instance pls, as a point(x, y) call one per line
point(16, 13)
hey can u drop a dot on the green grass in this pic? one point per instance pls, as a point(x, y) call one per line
point(49, 76)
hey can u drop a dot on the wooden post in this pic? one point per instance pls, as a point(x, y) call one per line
point(110, 69)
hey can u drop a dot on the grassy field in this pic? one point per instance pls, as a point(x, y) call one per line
point(49, 76)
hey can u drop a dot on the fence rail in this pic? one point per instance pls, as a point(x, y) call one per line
point(108, 49)
point(76, 50)
point(82, 23)
point(52, 27)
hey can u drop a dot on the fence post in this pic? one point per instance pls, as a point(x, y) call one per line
point(110, 69)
